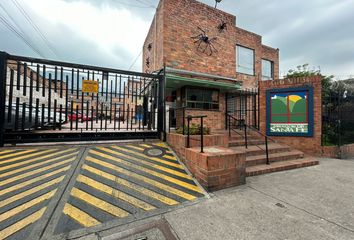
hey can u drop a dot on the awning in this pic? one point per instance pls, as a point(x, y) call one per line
point(175, 82)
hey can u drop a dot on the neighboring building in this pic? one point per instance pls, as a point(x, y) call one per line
point(206, 56)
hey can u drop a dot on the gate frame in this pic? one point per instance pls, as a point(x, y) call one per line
point(3, 76)
point(80, 136)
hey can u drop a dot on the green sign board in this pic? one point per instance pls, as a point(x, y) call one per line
point(290, 112)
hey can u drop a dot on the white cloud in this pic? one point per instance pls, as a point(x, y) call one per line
point(107, 28)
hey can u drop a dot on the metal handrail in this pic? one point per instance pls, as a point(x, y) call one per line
point(189, 118)
point(245, 126)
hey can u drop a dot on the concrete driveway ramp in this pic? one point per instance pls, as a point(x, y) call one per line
point(29, 180)
point(121, 182)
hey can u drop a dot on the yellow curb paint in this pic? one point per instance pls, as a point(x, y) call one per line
point(98, 203)
point(36, 164)
point(34, 160)
point(170, 157)
point(30, 191)
point(130, 185)
point(79, 216)
point(142, 178)
point(121, 160)
point(116, 193)
point(156, 174)
point(16, 154)
point(33, 180)
point(21, 224)
point(135, 147)
point(177, 165)
point(39, 170)
point(26, 205)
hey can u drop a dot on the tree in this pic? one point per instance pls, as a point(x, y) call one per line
point(305, 71)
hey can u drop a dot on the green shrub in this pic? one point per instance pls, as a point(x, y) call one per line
point(194, 129)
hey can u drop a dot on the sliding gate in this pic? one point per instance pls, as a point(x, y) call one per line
point(45, 100)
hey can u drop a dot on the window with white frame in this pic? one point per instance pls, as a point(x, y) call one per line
point(244, 60)
point(267, 70)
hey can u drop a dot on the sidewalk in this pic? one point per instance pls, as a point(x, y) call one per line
point(308, 203)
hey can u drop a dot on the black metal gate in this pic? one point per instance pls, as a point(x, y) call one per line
point(243, 106)
point(338, 115)
point(44, 100)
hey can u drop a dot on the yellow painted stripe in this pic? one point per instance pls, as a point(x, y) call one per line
point(135, 147)
point(177, 165)
point(116, 193)
point(156, 174)
point(145, 145)
point(39, 170)
point(98, 203)
point(123, 156)
point(130, 185)
point(30, 191)
point(33, 180)
point(26, 155)
point(26, 205)
point(6, 232)
point(34, 159)
point(170, 157)
point(16, 154)
point(163, 145)
point(142, 178)
point(79, 216)
point(36, 165)
point(7, 151)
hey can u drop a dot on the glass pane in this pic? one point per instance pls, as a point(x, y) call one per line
point(194, 95)
point(245, 60)
point(267, 70)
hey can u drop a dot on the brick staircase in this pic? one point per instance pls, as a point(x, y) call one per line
point(281, 156)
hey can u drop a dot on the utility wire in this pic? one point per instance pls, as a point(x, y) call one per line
point(35, 27)
point(136, 59)
point(150, 6)
point(18, 28)
point(13, 30)
point(146, 3)
point(132, 5)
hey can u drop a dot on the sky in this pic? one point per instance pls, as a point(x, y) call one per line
point(110, 33)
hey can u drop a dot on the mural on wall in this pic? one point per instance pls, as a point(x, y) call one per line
point(290, 112)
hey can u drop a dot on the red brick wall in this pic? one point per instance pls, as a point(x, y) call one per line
point(178, 21)
point(347, 151)
point(310, 145)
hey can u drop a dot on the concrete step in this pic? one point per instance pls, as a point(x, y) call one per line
point(254, 150)
point(242, 137)
point(273, 157)
point(280, 166)
point(241, 142)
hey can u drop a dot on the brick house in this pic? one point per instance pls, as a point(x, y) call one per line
point(206, 57)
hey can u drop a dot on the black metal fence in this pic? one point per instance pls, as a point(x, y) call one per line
point(338, 116)
point(243, 106)
point(44, 100)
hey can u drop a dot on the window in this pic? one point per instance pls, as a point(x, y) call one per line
point(245, 60)
point(267, 70)
point(207, 99)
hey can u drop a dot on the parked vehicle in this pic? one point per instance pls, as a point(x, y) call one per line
point(28, 123)
point(79, 116)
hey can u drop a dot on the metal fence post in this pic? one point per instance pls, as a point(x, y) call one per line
point(3, 69)
point(160, 106)
point(267, 153)
point(201, 135)
point(188, 133)
point(245, 126)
